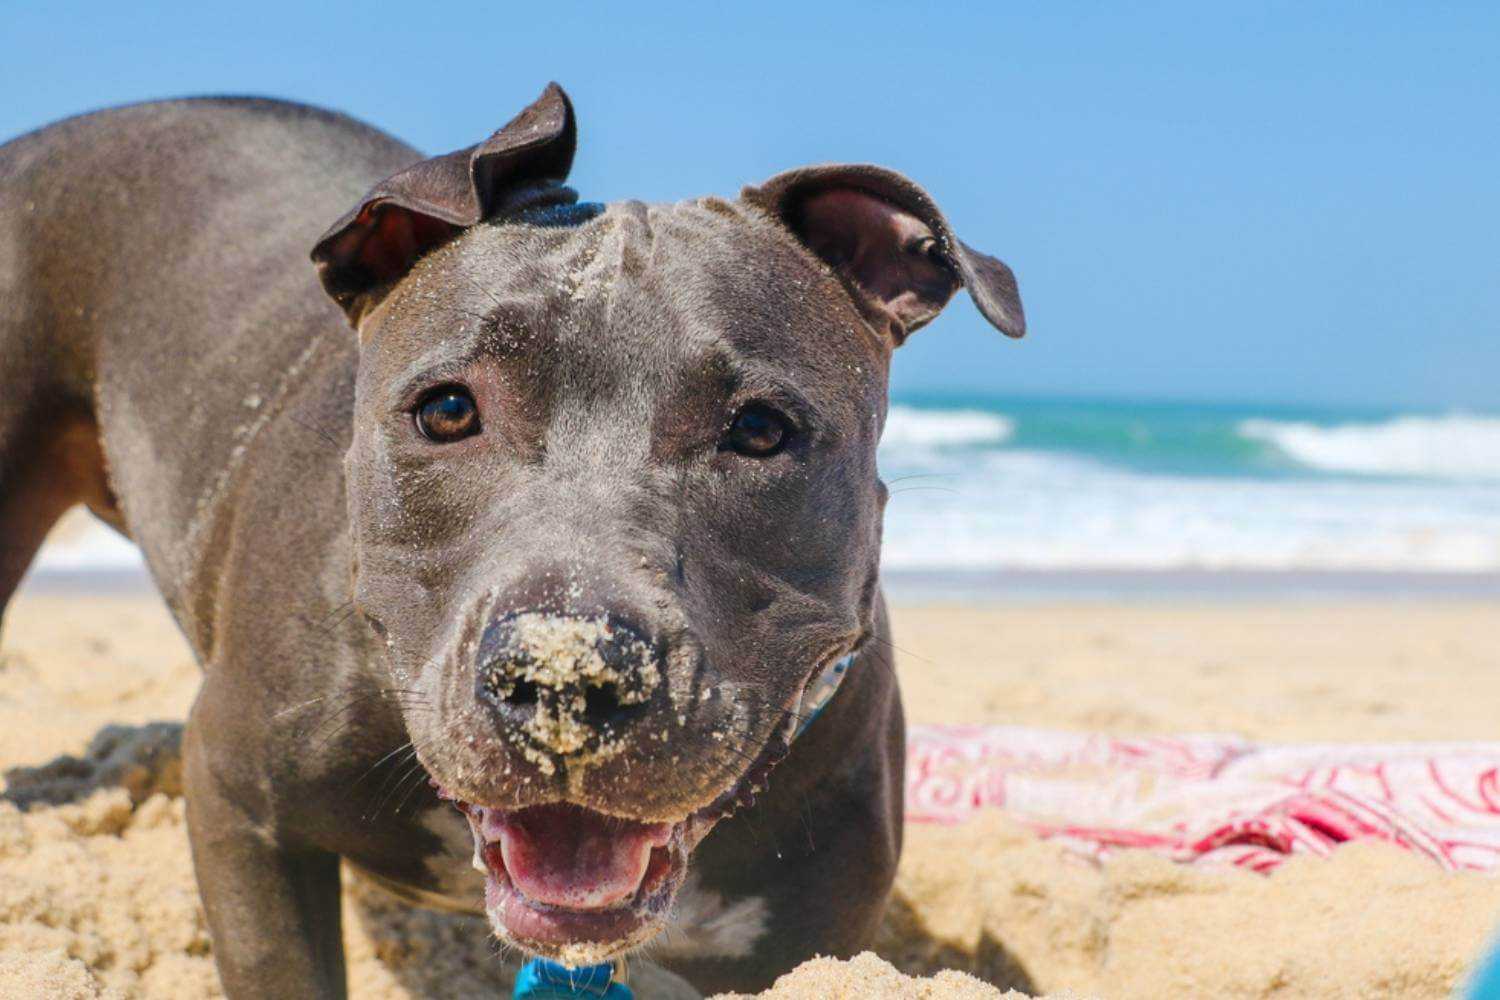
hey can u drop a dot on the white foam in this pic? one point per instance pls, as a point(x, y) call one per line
point(88, 546)
point(907, 426)
point(1451, 447)
point(1039, 510)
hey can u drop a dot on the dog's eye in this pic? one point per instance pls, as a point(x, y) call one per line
point(447, 414)
point(758, 431)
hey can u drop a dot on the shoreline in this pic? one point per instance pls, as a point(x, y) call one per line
point(1129, 586)
point(1004, 587)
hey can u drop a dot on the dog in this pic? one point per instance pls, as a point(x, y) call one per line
point(548, 591)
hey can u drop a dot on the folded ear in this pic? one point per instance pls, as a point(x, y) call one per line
point(409, 213)
point(887, 240)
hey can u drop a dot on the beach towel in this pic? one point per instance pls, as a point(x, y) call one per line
point(1213, 799)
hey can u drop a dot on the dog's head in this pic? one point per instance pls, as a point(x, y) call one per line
point(613, 491)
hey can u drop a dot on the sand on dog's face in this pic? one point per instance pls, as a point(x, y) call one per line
point(742, 572)
point(97, 897)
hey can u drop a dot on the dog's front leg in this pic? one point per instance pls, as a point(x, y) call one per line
point(273, 910)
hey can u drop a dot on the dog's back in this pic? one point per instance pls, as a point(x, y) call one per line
point(155, 300)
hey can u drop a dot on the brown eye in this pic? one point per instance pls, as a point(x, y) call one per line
point(448, 414)
point(758, 432)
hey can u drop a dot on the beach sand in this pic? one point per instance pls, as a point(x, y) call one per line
point(97, 896)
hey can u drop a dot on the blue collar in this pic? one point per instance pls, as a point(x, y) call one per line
point(819, 692)
point(543, 979)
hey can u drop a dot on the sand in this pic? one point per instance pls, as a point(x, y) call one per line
point(97, 896)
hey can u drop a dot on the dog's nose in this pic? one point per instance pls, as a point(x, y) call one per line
point(566, 681)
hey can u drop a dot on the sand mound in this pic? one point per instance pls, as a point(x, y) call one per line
point(866, 976)
point(109, 887)
point(1371, 921)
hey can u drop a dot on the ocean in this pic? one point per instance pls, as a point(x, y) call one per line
point(996, 484)
point(1045, 484)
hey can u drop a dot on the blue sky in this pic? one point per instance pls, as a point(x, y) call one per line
point(1263, 202)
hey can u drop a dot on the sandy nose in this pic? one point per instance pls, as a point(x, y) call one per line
point(565, 681)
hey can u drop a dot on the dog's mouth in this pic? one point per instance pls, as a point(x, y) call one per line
point(581, 886)
point(575, 884)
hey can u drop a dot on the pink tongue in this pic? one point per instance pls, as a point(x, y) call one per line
point(564, 855)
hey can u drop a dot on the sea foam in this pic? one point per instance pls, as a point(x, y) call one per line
point(1447, 447)
point(908, 427)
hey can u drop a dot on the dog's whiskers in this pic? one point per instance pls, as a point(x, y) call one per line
point(922, 475)
point(398, 768)
point(371, 769)
point(928, 489)
point(411, 767)
point(418, 774)
point(348, 712)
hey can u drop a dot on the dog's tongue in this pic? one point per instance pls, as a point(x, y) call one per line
point(563, 855)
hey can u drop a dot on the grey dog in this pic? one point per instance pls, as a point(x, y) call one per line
point(553, 545)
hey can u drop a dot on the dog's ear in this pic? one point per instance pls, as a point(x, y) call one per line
point(889, 243)
point(409, 213)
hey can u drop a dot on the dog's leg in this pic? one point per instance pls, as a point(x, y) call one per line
point(273, 910)
point(50, 459)
point(50, 455)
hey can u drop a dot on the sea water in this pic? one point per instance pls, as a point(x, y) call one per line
point(993, 483)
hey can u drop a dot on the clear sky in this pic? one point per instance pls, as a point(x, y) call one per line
point(1291, 202)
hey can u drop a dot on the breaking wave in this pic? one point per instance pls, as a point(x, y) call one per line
point(1448, 447)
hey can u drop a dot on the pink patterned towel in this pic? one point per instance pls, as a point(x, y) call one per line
point(1208, 798)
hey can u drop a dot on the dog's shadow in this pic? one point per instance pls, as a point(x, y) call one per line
point(431, 954)
point(143, 760)
point(907, 943)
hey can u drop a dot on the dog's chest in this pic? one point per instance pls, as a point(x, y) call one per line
point(706, 924)
point(444, 879)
